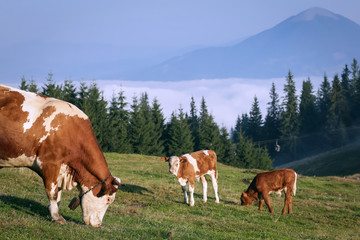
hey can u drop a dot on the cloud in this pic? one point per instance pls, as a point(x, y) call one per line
point(226, 99)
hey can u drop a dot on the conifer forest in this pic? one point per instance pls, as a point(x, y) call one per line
point(294, 126)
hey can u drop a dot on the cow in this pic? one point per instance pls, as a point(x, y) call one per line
point(267, 182)
point(56, 140)
point(189, 167)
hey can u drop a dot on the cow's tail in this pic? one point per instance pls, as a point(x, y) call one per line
point(294, 188)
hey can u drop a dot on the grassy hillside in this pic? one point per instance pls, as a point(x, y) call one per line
point(150, 207)
point(340, 162)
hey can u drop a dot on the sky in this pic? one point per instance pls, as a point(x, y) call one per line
point(86, 32)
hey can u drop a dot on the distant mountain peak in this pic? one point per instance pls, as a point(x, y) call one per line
point(311, 13)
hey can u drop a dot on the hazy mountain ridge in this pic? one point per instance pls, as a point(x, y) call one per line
point(310, 43)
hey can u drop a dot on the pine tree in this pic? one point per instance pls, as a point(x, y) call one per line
point(82, 95)
point(255, 122)
point(157, 117)
point(355, 80)
point(179, 140)
point(118, 124)
point(51, 89)
point(23, 85)
point(236, 130)
point(209, 131)
point(95, 109)
point(69, 92)
point(289, 127)
point(272, 119)
point(224, 150)
point(194, 124)
point(323, 101)
point(308, 114)
point(33, 86)
point(338, 116)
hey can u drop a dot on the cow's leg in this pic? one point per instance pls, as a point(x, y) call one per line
point(215, 187)
point(191, 190)
point(204, 185)
point(267, 202)
point(52, 193)
point(51, 188)
point(183, 187)
point(287, 203)
point(261, 202)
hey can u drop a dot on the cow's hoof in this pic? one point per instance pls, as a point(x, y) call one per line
point(217, 201)
point(61, 221)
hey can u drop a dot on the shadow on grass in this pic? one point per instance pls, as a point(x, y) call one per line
point(32, 208)
point(134, 189)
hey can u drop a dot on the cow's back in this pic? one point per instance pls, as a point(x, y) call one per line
point(274, 180)
point(28, 122)
point(206, 161)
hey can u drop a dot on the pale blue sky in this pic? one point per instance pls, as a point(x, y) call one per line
point(147, 28)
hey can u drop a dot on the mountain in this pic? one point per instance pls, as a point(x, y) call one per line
point(310, 43)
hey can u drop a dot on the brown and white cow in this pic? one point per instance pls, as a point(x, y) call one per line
point(189, 167)
point(56, 140)
point(267, 182)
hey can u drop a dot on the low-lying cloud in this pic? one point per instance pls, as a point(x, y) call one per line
point(226, 99)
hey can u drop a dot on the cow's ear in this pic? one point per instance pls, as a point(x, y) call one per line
point(116, 182)
point(183, 159)
point(244, 194)
point(164, 159)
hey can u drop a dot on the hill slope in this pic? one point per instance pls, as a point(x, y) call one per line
point(150, 207)
point(339, 162)
point(310, 43)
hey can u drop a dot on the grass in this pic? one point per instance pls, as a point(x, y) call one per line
point(151, 206)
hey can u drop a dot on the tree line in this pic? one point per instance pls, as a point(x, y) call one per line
point(298, 125)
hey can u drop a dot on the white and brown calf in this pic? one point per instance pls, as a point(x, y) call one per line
point(189, 167)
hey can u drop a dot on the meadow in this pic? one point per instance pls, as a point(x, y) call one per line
point(151, 206)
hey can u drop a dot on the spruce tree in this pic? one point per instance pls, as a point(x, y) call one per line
point(209, 131)
point(179, 140)
point(236, 130)
point(33, 86)
point(308, 114)
point(95, 108)
point(82, 95)
point(118, 124)
point(157, 117)
point(289, 125)
point(272, 119)
point(338, 115)
point(51, 89)
point(69, 92)
point(255, 122)
point(194, 124)
point(24, 85)
point(224, 150)
point(323, 101)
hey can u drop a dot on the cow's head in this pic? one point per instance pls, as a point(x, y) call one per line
point(174, 163)
point(95, 203)
point(246, 199)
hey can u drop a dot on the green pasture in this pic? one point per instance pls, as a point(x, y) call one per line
point(151, 206)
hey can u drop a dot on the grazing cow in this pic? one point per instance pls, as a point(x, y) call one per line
point(55, 139)
point(267, 182)
point(187, 167)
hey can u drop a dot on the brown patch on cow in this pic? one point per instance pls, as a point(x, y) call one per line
point(205, 162)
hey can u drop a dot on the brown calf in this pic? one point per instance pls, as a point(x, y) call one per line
point(267, 182)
